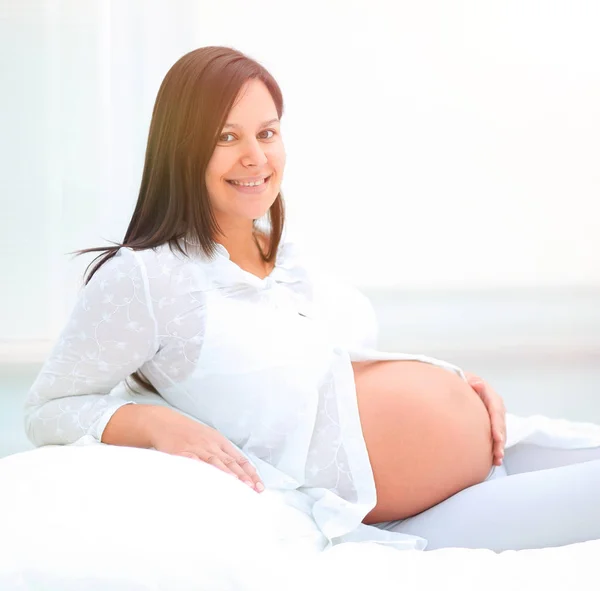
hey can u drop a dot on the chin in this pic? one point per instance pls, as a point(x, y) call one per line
point(256, 211)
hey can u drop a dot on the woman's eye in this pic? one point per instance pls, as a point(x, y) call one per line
point(271, 130)
point(265, 131)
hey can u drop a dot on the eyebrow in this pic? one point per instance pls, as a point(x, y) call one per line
point(264, 124)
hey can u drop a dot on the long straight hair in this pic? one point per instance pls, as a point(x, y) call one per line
point(189, 113)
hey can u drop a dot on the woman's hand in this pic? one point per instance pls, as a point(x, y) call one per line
point(173, 433)
point(497, 411)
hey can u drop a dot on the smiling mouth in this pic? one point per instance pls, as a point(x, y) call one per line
point(265, 181)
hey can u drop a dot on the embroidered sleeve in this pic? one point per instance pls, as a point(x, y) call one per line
point(111, 332)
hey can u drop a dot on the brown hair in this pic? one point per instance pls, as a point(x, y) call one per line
point(190, 111)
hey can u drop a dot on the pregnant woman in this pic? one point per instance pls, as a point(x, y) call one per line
point(226, 321)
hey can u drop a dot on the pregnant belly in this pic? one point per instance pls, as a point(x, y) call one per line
point(427, 434)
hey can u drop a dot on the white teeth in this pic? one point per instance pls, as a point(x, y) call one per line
point(253, 184)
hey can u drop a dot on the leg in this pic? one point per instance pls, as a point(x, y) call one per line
point(525, 457)
point(543, 508)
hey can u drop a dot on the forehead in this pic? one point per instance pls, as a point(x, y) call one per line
point(253, 106)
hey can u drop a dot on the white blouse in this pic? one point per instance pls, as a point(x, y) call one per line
point(266, 362)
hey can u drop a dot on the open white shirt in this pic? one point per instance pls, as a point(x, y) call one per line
point(266, 362)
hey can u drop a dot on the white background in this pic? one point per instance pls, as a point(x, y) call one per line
point(444, 156)
point(432, 145)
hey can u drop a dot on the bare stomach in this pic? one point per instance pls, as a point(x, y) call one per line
point(427, 434)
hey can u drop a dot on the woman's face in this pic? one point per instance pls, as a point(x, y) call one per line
point(249, 148)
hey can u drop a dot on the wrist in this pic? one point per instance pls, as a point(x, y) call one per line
point(134, 425)
point(152, 421)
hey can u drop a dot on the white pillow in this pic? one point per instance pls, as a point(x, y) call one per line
point(104, 517)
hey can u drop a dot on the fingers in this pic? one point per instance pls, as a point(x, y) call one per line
point(497, 412)
point(234, 466)
point(499, 441)
point(230, 466)
point(248, 473)
point(498, 457)
point(249, 470)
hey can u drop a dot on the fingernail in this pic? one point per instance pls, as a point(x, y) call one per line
point(260, 487)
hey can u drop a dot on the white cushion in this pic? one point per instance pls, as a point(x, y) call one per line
point(105, 517)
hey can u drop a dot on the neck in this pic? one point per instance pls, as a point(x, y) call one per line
point(240, 243)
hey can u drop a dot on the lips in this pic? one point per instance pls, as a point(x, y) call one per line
point(230, 181)
point(253, 190)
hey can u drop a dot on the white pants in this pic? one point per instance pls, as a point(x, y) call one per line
point(539, 497)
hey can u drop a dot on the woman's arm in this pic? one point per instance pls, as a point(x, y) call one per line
point(110, 334)
point(129, 426)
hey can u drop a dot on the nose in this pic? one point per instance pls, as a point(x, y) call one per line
point(253, 154)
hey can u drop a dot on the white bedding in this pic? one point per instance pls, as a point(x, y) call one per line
point(371, 566)
point(96, 517)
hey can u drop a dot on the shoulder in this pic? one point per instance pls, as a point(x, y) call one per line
point(150, 258)
point(162, 260)
point(159, 271)
point(126, 264)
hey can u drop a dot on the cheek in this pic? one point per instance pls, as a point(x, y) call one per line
point(218, 166)
point(278, 158)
